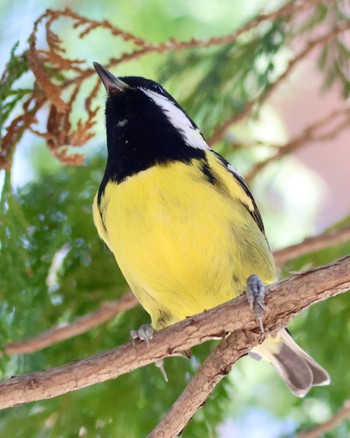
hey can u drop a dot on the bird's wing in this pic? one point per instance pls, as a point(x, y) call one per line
point(248, 200)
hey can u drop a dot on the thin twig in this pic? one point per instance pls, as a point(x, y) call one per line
point(316, 243)
point(309, 135)
point(107, 311)
point(329, 425)
point(62, 131)
point(171, 44)
point(287, 298)
point(249, 106)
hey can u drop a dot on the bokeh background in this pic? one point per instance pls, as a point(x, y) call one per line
point(46, 217)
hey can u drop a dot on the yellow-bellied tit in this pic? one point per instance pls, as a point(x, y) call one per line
point(181, 222)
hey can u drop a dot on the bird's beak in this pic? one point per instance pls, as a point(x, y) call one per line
point(109, 81)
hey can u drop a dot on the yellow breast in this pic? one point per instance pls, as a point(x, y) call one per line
point(182, 243)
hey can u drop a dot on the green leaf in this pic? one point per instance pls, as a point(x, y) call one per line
point(15, 68)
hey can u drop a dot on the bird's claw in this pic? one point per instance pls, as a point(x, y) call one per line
point(144, 333)
point(256, 292)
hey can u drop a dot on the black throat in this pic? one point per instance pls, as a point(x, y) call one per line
point(139, 139)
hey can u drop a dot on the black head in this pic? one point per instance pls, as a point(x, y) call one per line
point(145, 126)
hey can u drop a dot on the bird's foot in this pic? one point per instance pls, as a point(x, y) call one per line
point(144, 333)
point(256, 292)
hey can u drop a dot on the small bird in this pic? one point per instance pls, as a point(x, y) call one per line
point(181, 222)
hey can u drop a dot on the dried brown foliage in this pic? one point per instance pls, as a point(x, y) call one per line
point(59, 79)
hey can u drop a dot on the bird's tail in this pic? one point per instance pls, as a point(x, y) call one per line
point(297, 369)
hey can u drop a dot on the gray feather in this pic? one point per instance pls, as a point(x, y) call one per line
point(298, 370)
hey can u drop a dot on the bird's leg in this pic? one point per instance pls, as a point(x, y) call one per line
point(256, 297)
point(160, 364)
point(144, 333)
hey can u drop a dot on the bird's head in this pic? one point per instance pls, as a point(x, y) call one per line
point(136, 101)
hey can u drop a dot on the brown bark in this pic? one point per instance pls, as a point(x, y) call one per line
point(110, 309)
point(220, 362)
point(285, 299)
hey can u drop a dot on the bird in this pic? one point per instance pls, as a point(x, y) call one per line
point(182, 222)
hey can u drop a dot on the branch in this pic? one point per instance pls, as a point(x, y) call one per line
point(338, 418)
point(311, 244)
point(217, 365)
point(110, 309)
point(287, 298)
point(250, 105)
point(60, 130)
point(107, 311)
point(309, 135)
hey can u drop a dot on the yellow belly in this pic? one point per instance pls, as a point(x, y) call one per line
point(182, 244)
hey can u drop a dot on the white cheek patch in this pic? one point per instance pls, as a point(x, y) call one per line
point(179, 120)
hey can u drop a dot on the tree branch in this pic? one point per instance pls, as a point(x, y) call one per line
point(107, 311)
point(309, 135)
point(60, 131)
point(216, 366)
point(110, 309)
point(321, 429)
point(325, 240)
point(287, 298)
point(250, 105)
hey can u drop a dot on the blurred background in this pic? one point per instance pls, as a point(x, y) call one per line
point(53, 266)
